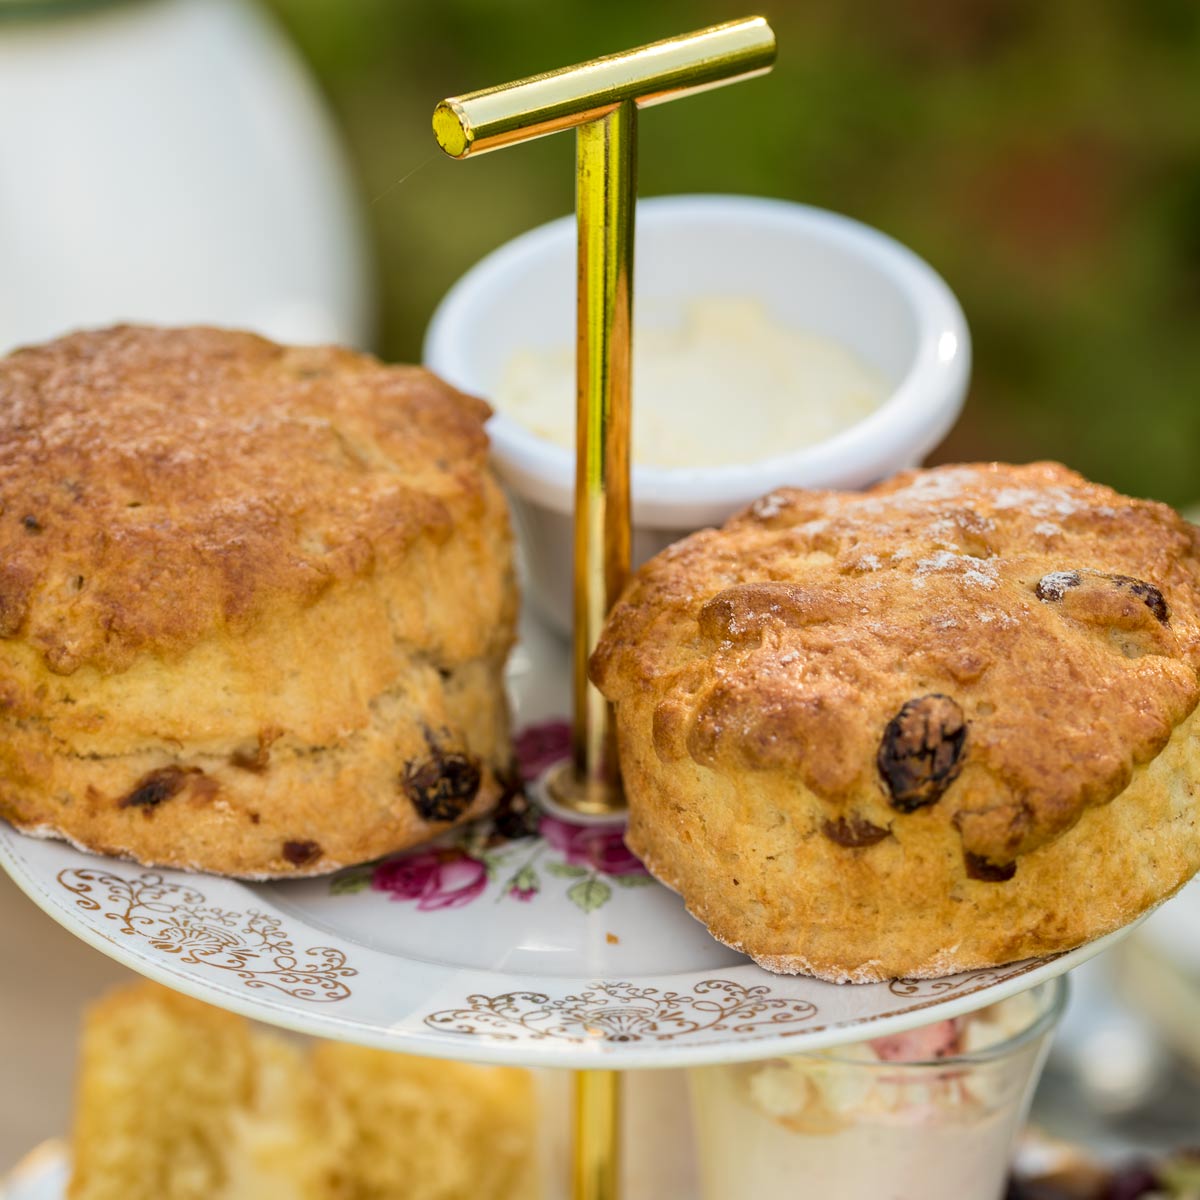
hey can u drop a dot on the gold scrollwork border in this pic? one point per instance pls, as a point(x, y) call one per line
point(613, 1012)
point(178, 920)
point(619, 1012)
point(965, 985)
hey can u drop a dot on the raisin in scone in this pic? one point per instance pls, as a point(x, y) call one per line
point(255, 602)
point(945, 723)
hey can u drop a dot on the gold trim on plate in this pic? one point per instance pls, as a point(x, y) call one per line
point(178, 920)
point(623, 1012)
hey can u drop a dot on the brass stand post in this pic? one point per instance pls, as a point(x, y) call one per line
point(600, 99)
point(597, 1160)
point(606, 165)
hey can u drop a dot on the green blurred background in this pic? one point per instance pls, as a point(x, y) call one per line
point(1044, 157)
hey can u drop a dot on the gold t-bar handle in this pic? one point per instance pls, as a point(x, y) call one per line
point(600, 99)
point(573, 96)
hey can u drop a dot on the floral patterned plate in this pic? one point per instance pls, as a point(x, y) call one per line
point(525, 939)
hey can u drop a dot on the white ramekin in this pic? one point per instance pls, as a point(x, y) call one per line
point(812, 269)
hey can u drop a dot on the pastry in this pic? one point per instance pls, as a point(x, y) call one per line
point(180, 1101)
point(428, 1129)
point(255, 602)
point(945, 723)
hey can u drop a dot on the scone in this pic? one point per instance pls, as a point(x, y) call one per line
point(255, 602)
point(428, 1129)
point(176, 1100)
point(941, 724)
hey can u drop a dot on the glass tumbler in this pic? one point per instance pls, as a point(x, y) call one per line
point(929, 1114)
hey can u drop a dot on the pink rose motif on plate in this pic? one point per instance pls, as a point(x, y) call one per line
point(597, 846)
point(444, 877)
point(592, 860)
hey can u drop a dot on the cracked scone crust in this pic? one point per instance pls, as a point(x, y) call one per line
point(255, 602)
point(945, 723)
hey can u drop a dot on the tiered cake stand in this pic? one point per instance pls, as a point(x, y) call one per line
point(552, 948)
point(548, 951)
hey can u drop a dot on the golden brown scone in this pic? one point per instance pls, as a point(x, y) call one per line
point(255, 602)
point(428, 1129)
point(941, 724)
point(176, 1100)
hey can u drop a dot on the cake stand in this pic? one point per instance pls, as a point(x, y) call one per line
point(553, 950)
point(537, 942)
point(545, 951)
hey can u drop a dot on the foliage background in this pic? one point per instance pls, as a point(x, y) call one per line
point(1044, 157)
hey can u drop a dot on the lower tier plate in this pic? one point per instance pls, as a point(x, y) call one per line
point(554, 950)
point(41, 1175)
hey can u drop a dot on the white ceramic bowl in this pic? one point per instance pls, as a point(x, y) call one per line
point(812, 269)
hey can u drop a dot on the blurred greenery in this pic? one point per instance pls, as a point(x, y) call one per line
point(1044, 157)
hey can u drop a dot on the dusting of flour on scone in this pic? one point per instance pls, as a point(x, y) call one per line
point(255, 602)
point(944, 723)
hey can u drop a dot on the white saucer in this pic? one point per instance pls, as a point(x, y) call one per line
point(41, 1175)
point(553, 951)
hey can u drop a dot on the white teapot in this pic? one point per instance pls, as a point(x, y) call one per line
point(169, 161)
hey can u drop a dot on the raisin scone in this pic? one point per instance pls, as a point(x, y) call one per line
point(945, 723)
point(255, 602)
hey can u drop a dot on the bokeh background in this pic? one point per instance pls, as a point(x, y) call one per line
point(1044, 157)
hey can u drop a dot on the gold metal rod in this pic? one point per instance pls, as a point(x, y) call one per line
point(515, 112)
point(600, 99)
point(606, 167)
point(597, 1135)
